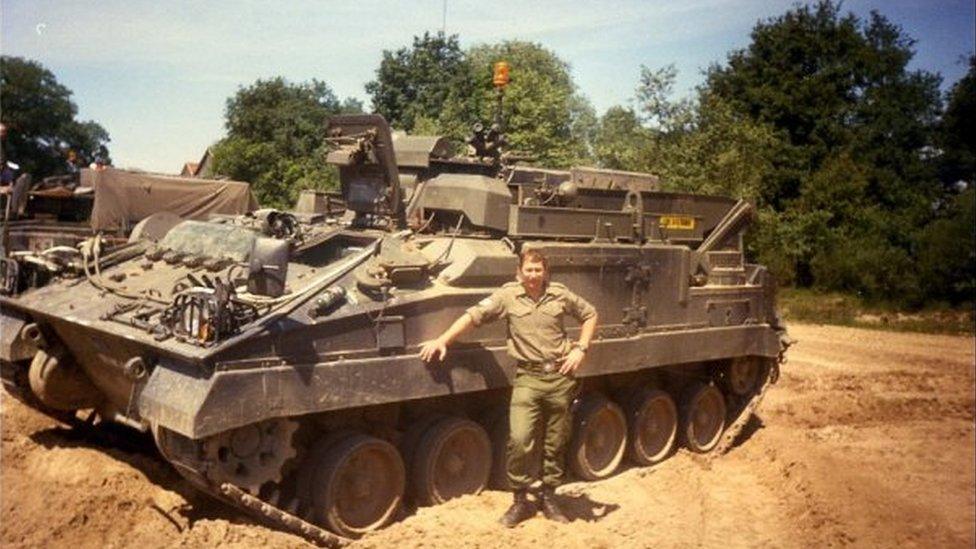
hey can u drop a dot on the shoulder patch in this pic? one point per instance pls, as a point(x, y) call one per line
point(486, 302)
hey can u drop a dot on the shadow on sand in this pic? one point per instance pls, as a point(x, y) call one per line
point(752, 426)
point(579, 506)
point(139, 451)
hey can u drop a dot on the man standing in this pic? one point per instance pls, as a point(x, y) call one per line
point(544, 386)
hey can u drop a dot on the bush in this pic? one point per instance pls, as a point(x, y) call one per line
point(947, 251)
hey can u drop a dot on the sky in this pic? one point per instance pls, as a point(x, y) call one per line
point(157, 74)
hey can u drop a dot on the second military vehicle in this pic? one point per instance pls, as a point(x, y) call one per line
point(43, 223)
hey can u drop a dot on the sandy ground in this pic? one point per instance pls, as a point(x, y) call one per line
point(867, 440)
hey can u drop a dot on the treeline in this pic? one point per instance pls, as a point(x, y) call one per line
point(861, 170)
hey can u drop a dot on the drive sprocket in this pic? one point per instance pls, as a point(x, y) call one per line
point(252, 455)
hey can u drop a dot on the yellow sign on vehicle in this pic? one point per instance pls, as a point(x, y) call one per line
point(684, 222)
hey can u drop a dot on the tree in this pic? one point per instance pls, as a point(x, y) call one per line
point(351, 105)
point(695, 144)
point(656, 107)
point(828, 82)
point(837, 93)
point(957, 132)
point(545, 117)
point(621, 142)
point(414, 84)
point(275, 138)
point(947, 246)
point(39, 117)
point(435, 87)
point(947, 251)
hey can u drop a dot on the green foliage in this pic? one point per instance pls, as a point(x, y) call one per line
point(832, 82)
point(40, 119)
point(545, 116)
point(779, 240)
point(957, 132)
point(657, 109)
point(428, 85)
point(718, 151)
point(699, 145)
point(865, 263)
point(850, 178)
point(433, 87)
point(621, 142)
point(843, 242)
point(275, 138)
point(351, 105)
point(806, 305)
point(947, 251)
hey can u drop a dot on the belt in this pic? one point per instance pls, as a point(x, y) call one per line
point(547, 367)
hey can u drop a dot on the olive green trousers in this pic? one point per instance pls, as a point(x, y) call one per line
point(540, 400)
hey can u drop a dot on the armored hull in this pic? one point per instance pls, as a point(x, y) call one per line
point(275, 357)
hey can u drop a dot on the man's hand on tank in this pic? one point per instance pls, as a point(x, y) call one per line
point(572, 362)
point(432, 349)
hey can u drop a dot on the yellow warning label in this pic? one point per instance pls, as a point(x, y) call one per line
point(684, 222)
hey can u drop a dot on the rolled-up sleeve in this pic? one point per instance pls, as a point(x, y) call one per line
point(488, 309)
point(578, 307)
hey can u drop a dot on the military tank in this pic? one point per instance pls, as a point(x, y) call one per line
point(274, 356)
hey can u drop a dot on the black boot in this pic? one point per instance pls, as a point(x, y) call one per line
point(521, 510)
point(550, 507)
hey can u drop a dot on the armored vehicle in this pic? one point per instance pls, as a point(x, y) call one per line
point(274, 356)
point(43, 223)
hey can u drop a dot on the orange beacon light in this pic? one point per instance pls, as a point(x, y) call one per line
point(500, 77)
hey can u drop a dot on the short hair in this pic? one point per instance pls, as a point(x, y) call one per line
point(535, 256)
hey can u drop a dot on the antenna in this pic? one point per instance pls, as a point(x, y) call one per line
point(444, 19)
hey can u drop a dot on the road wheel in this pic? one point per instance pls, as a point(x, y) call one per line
point(742, 374)
point(703, 417)
point(59, 383)
point(357, 485)
point(653, 422)
point(599, 438)
point(453, 459)
point(411, 438)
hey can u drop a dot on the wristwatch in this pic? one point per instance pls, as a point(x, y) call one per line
point(580, 346)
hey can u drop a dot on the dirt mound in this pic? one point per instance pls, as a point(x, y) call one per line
point(868, 439)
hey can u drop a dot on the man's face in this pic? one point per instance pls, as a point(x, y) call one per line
point(532, 275)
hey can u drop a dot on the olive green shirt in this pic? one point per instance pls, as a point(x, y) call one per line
point(535, 328)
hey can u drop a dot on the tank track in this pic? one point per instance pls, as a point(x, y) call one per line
point(276, 517)
point(734, 429)
point(286, 521)
point(280, 518)
point(228, 493)
point(770, 376)
point(182, 454)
